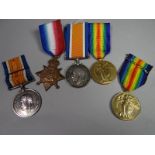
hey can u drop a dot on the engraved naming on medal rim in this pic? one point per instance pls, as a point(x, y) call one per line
point(125, 106)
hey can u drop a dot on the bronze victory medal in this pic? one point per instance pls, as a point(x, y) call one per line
point(50, 75)
point(125, 106)
point(103, 72)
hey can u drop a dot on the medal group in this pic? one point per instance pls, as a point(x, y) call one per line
point(79, 41)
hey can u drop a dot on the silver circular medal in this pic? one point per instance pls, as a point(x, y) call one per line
point(27, 103)
point(78, 75)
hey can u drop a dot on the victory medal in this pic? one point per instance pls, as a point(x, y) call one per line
point(102, 72)
point(132, 75)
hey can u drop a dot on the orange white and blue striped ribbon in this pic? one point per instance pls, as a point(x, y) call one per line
point(134, 72)
point(76, 38)
point(17, 72)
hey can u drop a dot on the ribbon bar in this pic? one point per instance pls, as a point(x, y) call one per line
point(17, 72)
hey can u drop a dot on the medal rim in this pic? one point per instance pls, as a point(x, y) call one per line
point(113, 102)
point(81, 66)
point(97, 81)
point(37, 93)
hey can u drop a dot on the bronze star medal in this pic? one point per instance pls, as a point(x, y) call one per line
point(50, 75)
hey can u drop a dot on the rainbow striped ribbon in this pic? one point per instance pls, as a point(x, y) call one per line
point(134, 72)
point(52, 38)
point(17, 72)
point(99, 39)
point(76, 38)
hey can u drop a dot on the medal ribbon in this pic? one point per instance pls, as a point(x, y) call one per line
point(17, 72)
point(76, 38)
point(52, 38)
point(134, 72)
point(99, 39)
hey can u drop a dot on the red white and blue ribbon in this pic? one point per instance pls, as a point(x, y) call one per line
point(52, 38)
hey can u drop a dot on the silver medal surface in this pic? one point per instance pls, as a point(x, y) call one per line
point(27, 103)
point(78, 75)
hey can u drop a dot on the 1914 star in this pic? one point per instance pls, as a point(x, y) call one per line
point(50, 75)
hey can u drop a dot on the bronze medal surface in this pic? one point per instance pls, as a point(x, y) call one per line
point(103, 72)
point(27, 103)
point(50, 75)
point(125, 106)
point(78, 75)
